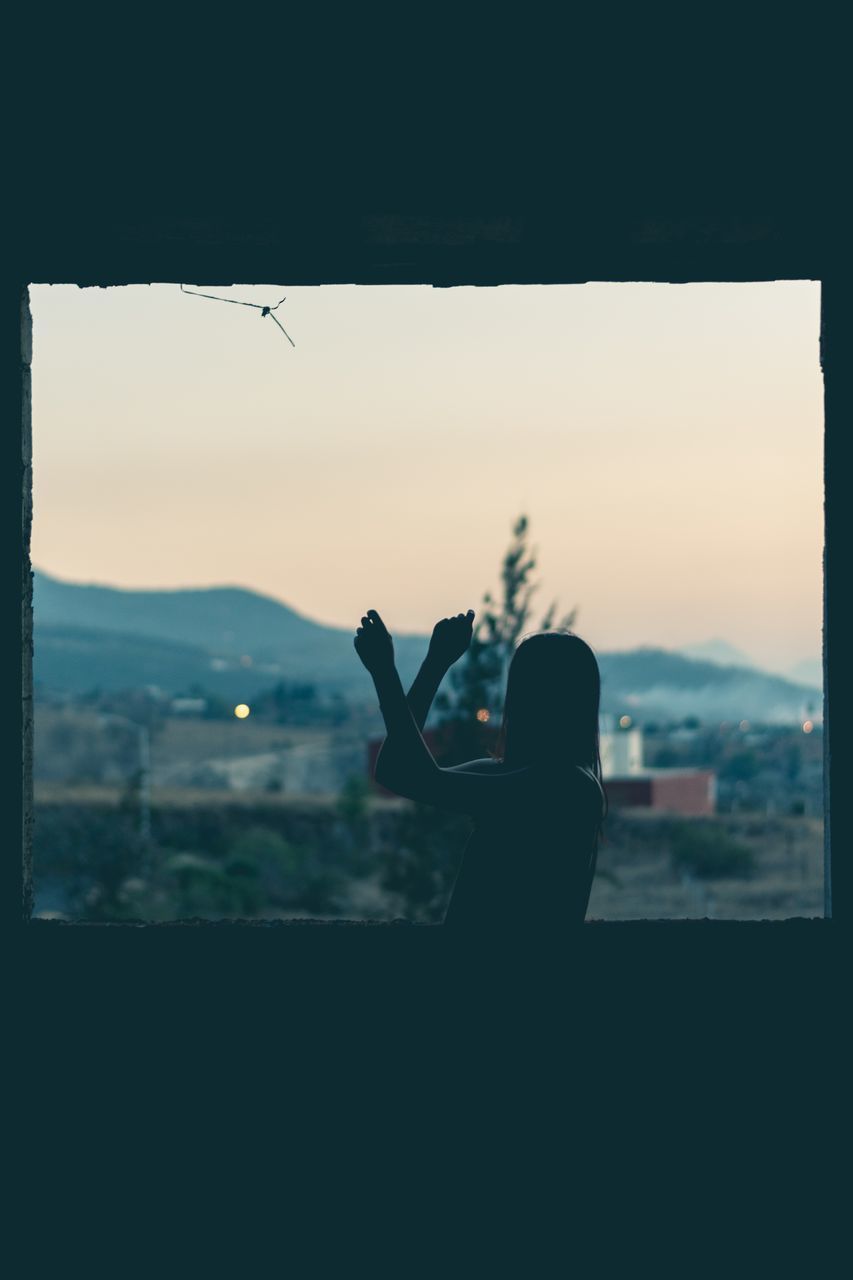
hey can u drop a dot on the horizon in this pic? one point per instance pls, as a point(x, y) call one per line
point(673, 433)
point(708, 641)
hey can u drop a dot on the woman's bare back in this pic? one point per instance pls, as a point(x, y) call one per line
point(531, 860)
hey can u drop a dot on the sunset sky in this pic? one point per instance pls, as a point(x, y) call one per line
point(665, 441)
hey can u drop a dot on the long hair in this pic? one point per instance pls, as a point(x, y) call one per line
point(551, 707)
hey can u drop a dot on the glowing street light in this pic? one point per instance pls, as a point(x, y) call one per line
point(808, 726)
point(241, 711)
point(625, 722)
point(482, 715)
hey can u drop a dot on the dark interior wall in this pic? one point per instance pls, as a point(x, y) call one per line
point(559, 242)
point(173, 174)
point(589, 148)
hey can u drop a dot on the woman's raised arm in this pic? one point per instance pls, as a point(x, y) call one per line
point(450, 638)
point(405, 764)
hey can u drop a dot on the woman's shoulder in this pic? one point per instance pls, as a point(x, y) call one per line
point(588, 784)
point(575, 780)
point(485, 764)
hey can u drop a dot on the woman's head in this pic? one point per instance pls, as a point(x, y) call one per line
point(552, 700)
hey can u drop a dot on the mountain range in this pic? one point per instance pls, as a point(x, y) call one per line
point(235, 642)
point(809, 671)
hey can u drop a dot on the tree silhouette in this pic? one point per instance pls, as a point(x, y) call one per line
point(477, 682)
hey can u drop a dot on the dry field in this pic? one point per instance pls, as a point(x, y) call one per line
point(176, 740)
point(636, 879)
point(185, 740)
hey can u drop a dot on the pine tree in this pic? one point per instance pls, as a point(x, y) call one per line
point(477, 682)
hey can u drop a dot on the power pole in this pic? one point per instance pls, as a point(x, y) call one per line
point(143, 738)
point(144, 784)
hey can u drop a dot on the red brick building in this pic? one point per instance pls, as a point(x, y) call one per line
point(692, 792)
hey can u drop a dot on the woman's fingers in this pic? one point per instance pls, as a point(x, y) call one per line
point(373, 616)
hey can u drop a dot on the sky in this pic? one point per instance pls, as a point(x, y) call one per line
point(665, 442)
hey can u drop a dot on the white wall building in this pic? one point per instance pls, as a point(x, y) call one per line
point(621, 752)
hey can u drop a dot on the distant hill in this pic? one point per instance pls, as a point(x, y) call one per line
point(224, 620)
point(174, 632)
point(809, 671)
point(657, 684)
point(719, 651)
point(79, 659)
point(87, 636)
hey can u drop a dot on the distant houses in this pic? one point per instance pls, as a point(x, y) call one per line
point(630, 784)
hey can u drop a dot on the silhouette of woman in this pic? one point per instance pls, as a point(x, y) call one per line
point(537, 805)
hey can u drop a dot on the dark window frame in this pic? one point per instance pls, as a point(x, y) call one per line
point(489, 252)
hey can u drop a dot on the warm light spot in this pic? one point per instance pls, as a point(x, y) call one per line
point(744, 725)
point(625, 722)
point(241, 711)
point(482, 715)
point(808, 726)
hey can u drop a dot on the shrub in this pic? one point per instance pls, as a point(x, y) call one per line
point(203, 888)
point(285, 875)
point(709, 852)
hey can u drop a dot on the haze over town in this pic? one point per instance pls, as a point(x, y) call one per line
point(664, 440)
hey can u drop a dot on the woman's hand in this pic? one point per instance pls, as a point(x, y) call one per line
point(373, 644)
point(450, 638)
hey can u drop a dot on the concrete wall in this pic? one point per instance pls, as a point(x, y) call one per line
point(690, 1077)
